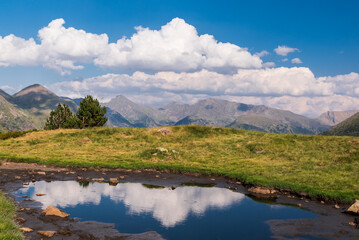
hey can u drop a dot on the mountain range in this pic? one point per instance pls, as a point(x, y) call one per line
point(30, 107)
point(348, 127)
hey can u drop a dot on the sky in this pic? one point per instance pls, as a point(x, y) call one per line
point(300, 56)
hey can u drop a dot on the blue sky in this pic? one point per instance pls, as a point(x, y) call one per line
point(325, 34)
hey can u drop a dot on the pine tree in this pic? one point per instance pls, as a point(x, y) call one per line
point(90, 113)
point(59, 117)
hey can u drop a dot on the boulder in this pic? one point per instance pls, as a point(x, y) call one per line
point(53, 211)
point(47, 233)
point(354, 208)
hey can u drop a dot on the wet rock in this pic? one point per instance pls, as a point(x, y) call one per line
point(336, 206)
point(261, 190)
point(25, 184)
point(40, 194)
point(113, 181)
point(351, 223)
point(322, 202)
point(26, 229)
point(299, 205)
point(212, 179)
point(157, 176)
point(354, 208)
point(79, 178)
point(41, 173)
point(122, 177)
point(53, 211)
point(17, 177)
point(98, 179)
point(48, 234)
point(238, 183)
point(24, 196)
point(173, 187)
point(20, 220)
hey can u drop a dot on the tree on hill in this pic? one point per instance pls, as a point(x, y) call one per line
point(90, 113)
point(62, 117)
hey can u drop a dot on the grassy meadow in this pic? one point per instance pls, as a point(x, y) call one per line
point(8, 228)
point(318, 165)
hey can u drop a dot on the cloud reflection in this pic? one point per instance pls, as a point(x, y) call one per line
point(170, 207)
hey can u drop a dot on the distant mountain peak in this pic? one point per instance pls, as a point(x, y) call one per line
point(35, 88)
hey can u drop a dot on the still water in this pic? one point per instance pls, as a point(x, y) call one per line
point(188, 212)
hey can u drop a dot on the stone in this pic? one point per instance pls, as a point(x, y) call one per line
point(212, 179)
point(53, 211)
point(238, 183)
point(262, 190)
point(322, 202)
point(40, 194)
point(20, 220)
point(48, 234)
point(354, 208)
point(173, 187)
point(24, 196)
point(351, 223)
point(25, 184)
point(157, 176)
point(98, 179)
point(336, 206)
point(113, 181)
point(17, 177)
point(29, 199)
point(161, 149)
point(164, 131)
point(299, 205)
point(65, 233)
point(41, 173)
point(122, 177)
point(79, 178)
point(27, 230)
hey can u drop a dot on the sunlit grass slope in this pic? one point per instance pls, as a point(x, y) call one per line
point(317, 165)
point(8, 228)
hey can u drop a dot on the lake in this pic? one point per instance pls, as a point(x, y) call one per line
point(187, 212)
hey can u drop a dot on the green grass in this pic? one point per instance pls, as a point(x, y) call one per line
point(8, 228)
point(318, 165)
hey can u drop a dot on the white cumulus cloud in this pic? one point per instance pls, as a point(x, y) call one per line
point(284, 50)
point(296, 60)
point(175, 47)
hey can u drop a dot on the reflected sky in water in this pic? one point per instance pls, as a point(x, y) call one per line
point(183, 213)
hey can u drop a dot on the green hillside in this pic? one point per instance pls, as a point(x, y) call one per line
point(349, 127)
point(318, 165)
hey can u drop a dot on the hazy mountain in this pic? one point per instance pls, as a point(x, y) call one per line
point(5, 95)
point(349, 127)
point(115, 119)
point(13, 118)
point(216, 112)
point(138, 115)
point(332, 118)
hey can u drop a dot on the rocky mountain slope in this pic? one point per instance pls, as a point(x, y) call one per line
point(29, 108)
point(349, 127)
point(332, 118)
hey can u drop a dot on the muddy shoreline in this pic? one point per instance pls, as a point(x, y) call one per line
point(332, 224)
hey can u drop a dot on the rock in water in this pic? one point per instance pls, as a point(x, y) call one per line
point(353, 209)
point(53, 211)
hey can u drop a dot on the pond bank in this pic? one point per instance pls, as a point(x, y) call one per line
point(12, 176)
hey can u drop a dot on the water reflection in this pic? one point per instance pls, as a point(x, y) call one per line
point(169, 207)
